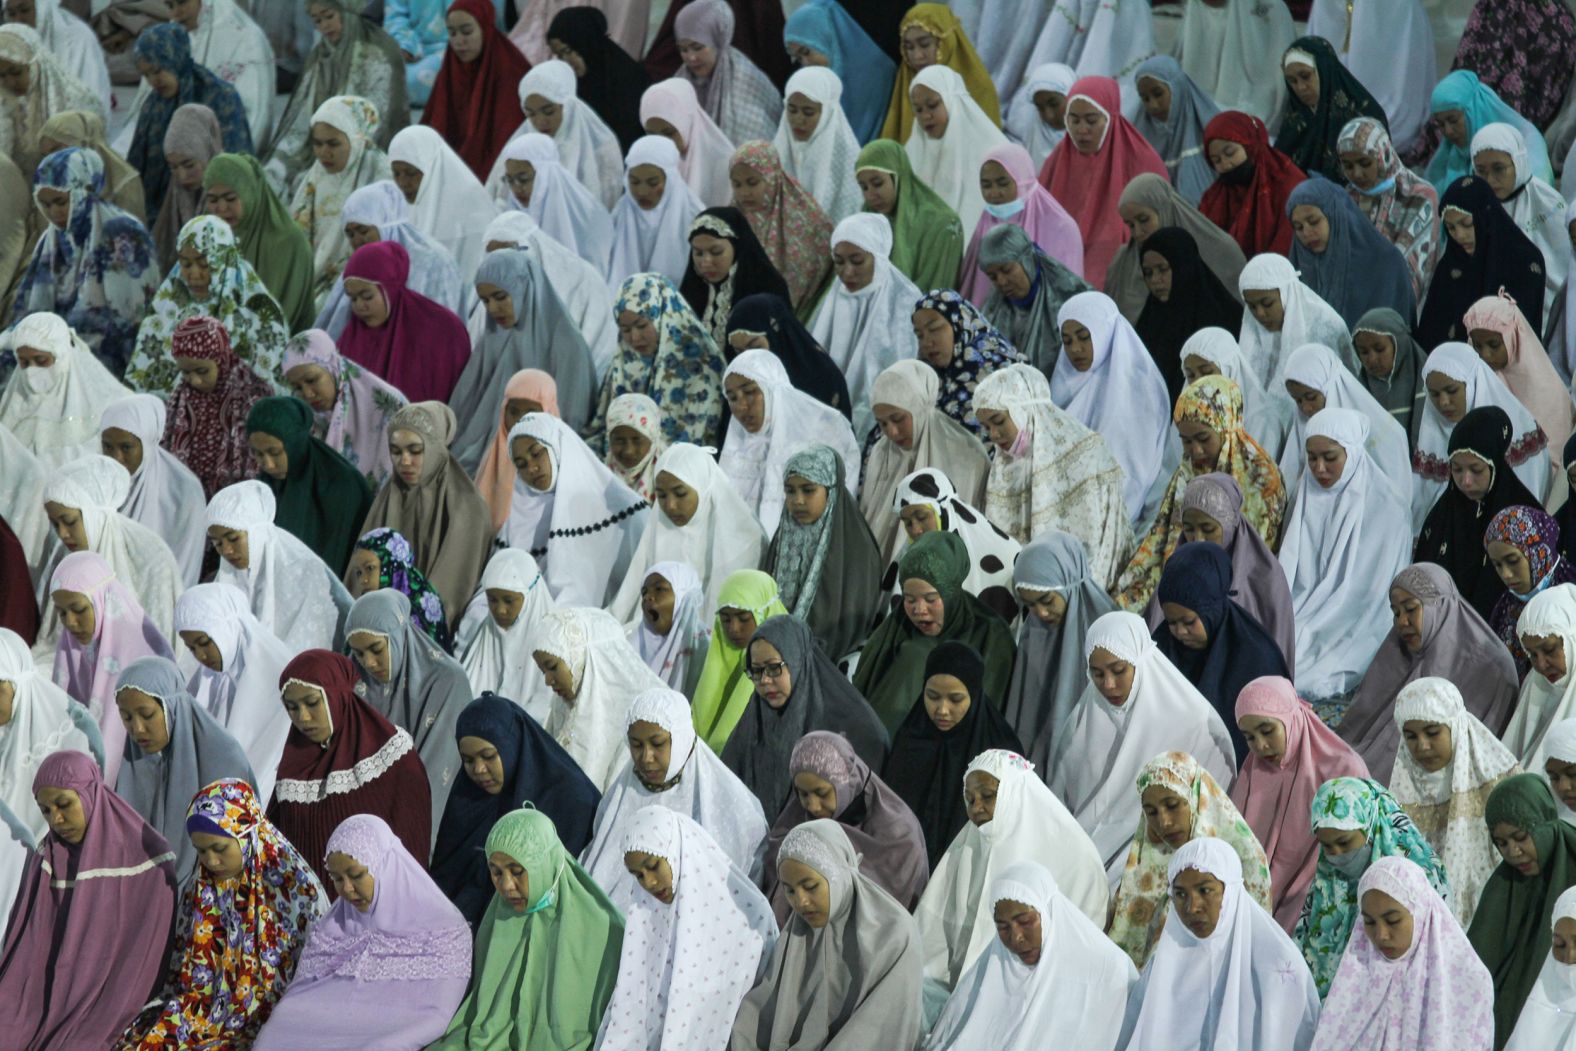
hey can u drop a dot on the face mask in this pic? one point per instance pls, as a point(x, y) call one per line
point(1353, 863)
point(1005, 211)
point(546, 901)
point(1241, 175)
point(39, 380)
point(1020, 444)
point(1377, 189)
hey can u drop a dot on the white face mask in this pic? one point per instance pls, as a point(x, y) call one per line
point(39, 379)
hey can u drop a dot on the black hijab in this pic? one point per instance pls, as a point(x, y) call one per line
point(1502, 258)
point(821, 698)
point(1198, 301)
point(752, 273)
point(536, 770)
point(1308, 136)
point(1566, 515)
point(809, 367)
point(1239, 650)
point(1452, 534)
point(927, 765)
point(613, 82)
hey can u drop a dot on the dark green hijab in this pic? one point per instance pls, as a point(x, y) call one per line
point(323, 498)
point(891, 669)
point(1512, 928)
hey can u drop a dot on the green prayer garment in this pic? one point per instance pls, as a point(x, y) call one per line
point(1511, 929)
point(542, 977)
point(927, 237)
point(270, 240)
point(891, 670)
point(323, 498)
point(724, 690)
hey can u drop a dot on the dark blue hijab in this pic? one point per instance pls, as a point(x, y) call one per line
point(536, 770)
point(1198, 576)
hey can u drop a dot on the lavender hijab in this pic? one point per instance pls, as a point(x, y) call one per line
point(1456, 644)
point(86, 945)
point(391, 976)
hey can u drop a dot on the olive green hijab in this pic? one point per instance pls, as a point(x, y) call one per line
point(927, 237)
point(269, 239)
point(542, 977)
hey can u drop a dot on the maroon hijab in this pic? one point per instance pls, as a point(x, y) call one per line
point(206, 430)
point(91, 925)
point(367, 766)
point(422, 348)
point(475, 105)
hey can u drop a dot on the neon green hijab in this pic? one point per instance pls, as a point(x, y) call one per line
point(724, 689)
point(542, 977)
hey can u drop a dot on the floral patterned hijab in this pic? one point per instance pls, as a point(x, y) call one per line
point(977, 351)
point(397, 570)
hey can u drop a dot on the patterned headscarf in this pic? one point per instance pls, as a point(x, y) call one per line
point(684, 378)
point(791, 225)
point(397, 570)
point(977, 351)
point(207, 429)
point(1535, 534)
point(1216, 402)
point(641, 415)
point(236, 297)
point(237, 940)
point(1331, 911)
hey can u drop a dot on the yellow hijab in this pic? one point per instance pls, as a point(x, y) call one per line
point(953, 50)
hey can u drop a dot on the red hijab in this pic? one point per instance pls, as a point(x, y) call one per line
point(1251, 207)
point(475, 105)
point(423, 346)
point(368, 766)
point(1090, 185)
point(206, 430)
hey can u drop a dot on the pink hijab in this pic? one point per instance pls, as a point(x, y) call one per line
point(122, 632)
point(87, 942)
point(423, 346)
point(1437, 995)
point(1042, 218)
point(1275, 798)
point(1528, 373)
point(495, 477)
point(1090, 186)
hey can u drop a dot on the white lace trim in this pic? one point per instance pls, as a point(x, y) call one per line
point(290, 790)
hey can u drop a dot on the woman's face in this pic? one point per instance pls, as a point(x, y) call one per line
point(504, 606)
point(979, 797)
point(204, 649)
point(351, 880)
point(647, 184)
point(808, 893)
point(996, 185)
point(1454, 126)
point(1430, 744)
point(930, 111)
point(199, 374)
point(196, 274)
point(1326, 460)
point(1448, 395)
point(367, 302)
point(638, 333)
point(62, 810)
point(1361, 170)
point(712, 256)
point(408, 451)
point(1563, 946)
point(817, 796)
point(499, 304)
point(1048, 607)
point(1225, 155)
point(1312, 227)
point(1167, 816)
point(162, 82)
point(1387, 923)
point(1407, 617)
point(656, 603)
point(1155, 94)
point(1194, 366)
point(738, 626)
point(1141, 220)
point(515, 408)
point(186, 171)
point(360, 235)
point(746, 401)
point(676, 498)
point(1562, 778)
point(935, 336)
point(1086, 126)
point(268, 452)
point(465, 36)
point(1200, 444)
point(897, 425)
point(373, 653)
point(557, 675)
point(1157, 275)
point(1018, 927)
point(1197, 897)
point(1459, 225)
point(408, 178)
point(771, 675)
point(1516, 846)
point(1000, 430)
point(365, 573)
point(1490, 346)
point(521, 178)
point(314, 385)
point(142, 715)
point(564, 53)
point(653, 872)
point(1547, 653)
point(1266, 307)
point(807, 56)
point(326, 21)
point(223, 202)
point(1303, 80)
point(510, 879)
point(1010, 279)
point(878, 190)
point(68, 525)
point(1496, 168)
point(699, 60)
point(804, 500)
point(1471, 474)
point(947, 701)
point(1376, 351)
point(232, 545)
point(803, 115)
point(750, 191)
point(658, 126)
point(533, 462)
point(330, 147)
point(1197, 526)
point(545, 115)
point(1186, 626)
point(1266, 736)
point(854, 266)
point(924, 607)
point(56, 205)
point(650, 751)
point(628, 446)
point(1309, 400)
point(308, 711)
point(1052, 108)
point(220, 856)
point(1078, 345)
point(918, 519)
point(920, 48)
point(1515, 572)
point(1111, 675)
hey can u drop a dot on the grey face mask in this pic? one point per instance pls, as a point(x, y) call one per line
point(1353, 863)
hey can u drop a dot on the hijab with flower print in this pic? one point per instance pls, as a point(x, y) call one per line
point(977, 351)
